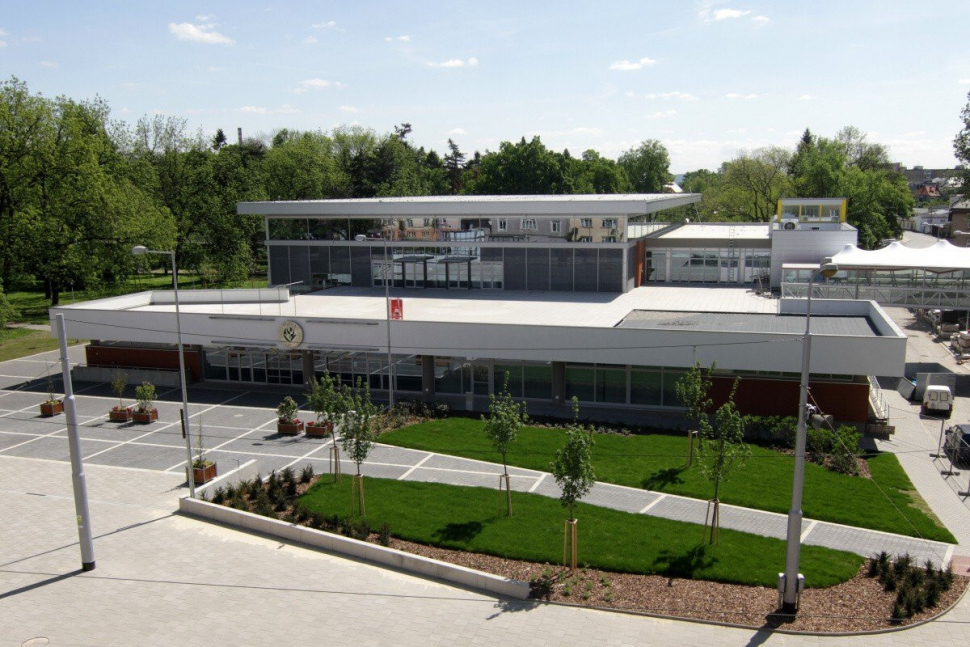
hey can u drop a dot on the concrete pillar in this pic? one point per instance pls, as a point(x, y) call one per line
point(427, 376)
point(559, 382)
point(308, 367)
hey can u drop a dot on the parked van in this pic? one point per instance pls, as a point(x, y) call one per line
point(937, 401)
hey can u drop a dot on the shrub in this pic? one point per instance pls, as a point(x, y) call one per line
point(286, 411)
point(358, 529)
point(145, 394)
point(384, 534)
point(307, 474)
point(219, 496)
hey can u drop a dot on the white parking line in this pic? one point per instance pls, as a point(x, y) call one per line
point(416, 466)
point(538, 481)
point(808, 530)
point(164, 427)
point(647, 507)
point(34, 439)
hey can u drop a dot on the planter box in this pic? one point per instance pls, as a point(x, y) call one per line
point(320, 431)
point(204, 474)
point(119, 415)
point(48, 409)
point(145, 417)
point(289, 429)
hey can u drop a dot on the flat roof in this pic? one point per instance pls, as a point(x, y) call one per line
point(851, 326)
point(592, 309)
point(807, 202)
point(720, 231)
point(475, 205)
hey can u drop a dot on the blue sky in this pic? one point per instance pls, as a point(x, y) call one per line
point(706, 78)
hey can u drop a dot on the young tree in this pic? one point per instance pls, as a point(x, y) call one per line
point(961, 144)
point(573, 471)
point(453, 165)
point(359, 436)
point(693, 391)
point(219, 140)
point(505, 418)
point(723, 450)
point(325, 400)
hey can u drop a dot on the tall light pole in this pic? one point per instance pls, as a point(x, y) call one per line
point(186, 430)
point(793, 552)
point(387, 272)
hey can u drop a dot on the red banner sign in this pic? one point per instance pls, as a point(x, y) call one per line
point(397, 309)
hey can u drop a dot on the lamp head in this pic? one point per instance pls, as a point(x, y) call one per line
point(138, 250)
point(828, 269)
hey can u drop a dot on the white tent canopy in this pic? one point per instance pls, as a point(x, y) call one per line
point(941, 257)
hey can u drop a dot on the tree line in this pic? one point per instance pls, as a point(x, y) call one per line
point(748, 187)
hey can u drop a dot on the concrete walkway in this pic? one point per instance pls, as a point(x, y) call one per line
point(165, 580)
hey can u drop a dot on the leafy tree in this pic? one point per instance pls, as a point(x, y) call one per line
point(358, 432)
point(505, 418)
point(693, 392)
point(325, 399)
point(7, 311)
point(523, 168)
point(219, 140)
point(647, 166)
point(756, 181)
point(453, 166)
point(573, 470)
point(573, 465)
point(961, 143)
point(722, 449)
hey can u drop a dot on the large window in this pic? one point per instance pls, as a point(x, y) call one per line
point(610, 384)
point(525, 380)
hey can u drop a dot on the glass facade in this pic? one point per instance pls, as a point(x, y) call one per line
point(509, 229)
point(451, 267)
point(611, 384)
point(713, 265)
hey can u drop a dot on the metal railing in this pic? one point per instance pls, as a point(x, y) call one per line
point(877, 399)
point(884, 295)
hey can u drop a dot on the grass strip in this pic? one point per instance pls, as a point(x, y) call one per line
point(472, 519)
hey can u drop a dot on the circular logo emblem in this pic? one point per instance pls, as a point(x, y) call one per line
point(290, 334)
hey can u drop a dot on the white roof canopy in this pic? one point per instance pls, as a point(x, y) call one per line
point(941, 257)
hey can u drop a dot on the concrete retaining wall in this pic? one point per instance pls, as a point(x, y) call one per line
point(416, 564)
point(134, 375)
point(245, 472)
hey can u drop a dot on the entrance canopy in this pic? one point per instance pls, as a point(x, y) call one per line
point(941, 257)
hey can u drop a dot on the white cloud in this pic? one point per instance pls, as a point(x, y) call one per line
point(660, 114)
point(630, 94)
point(3, 43)
point(737, 131)
point(806, 97)
point(404, 39)
point(213, 69)
point(457, 131)
point(198, 34)
point(455, 62)
point(323, 26)
point(729, 14)
point(285, 109)
point(49, 64)
point(685, 96)
point(761, 20)
point(627, 66)
point(309, 40)
point(350, 109)
point(964, 81)
point(315, 83)
point(735, 95)
point(205, 17)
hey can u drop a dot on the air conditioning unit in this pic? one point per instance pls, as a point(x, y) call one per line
point(789, 225)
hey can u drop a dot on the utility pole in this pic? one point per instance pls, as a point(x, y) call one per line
point(77, 464)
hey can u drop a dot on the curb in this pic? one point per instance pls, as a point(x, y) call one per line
point(415, 564)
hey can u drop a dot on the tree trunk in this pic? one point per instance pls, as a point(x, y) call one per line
point(55, 294)
point(47, 288)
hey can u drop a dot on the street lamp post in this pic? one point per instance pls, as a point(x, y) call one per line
point(792, 554)
point(388, 272)
point(186, 430)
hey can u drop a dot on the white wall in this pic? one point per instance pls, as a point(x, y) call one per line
point(869, 355)
point(806, 246)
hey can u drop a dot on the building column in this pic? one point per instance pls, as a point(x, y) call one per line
point(559, 382)
point(309, 370)
point(427, 376)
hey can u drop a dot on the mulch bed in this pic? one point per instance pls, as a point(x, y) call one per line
point(859, 604)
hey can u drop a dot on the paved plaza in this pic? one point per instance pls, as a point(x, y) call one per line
point(165, 579)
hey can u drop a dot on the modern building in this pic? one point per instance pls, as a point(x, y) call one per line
point(569, 295)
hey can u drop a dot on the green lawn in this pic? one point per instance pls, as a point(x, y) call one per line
point(472, 519)
point(33, 306)
point(20, 342)
point(657, 462)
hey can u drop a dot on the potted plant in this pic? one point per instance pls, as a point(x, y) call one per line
point(287, 424)
point(145, 394)
point(119, 413)
point(53, 405)
point(203, 470)
point(325, 401)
